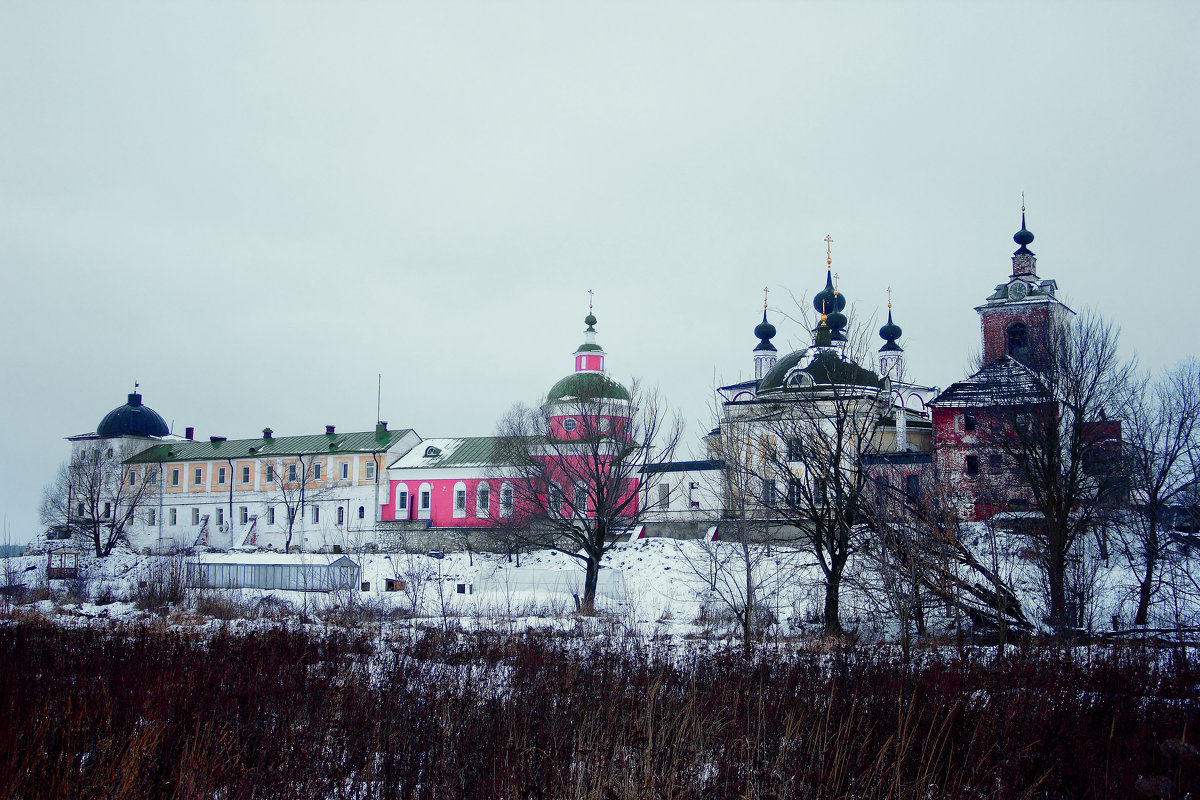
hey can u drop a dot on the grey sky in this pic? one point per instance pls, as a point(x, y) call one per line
point(252, 209)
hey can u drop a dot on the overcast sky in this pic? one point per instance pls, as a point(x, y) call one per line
point(253, 209)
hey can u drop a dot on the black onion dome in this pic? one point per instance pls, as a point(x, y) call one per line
point(765, 331)
point(1023, 237)
point(890, 333)
point(132, 419)
point(829, 300)
point(837, 321)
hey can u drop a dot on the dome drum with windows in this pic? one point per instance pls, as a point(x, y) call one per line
point(587, 402)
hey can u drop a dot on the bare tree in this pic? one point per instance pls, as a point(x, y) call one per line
point(740, 571)
point(1057, 427)
point(292, 481)
point(98, 496)
point(826, 416)
point(572, 466)
point(1162, 437)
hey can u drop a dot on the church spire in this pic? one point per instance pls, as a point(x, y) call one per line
point(764, 353)
point(589, 356)
point(891, 355)
point(1024, 262)
point(830, 301)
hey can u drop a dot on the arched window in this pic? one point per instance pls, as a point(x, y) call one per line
point(1018, 341)
point(483, 499)
point(579, 502)
point(424, 501)
point(506, 499)
point(460, 500)
point(402, 501)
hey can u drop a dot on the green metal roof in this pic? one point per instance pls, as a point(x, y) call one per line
point(468, 451)
point(589, 348)
point(314, 444)
point(587, 386)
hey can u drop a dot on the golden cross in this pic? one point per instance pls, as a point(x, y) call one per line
point(889, 297)
point(828, 252)
point(835, 283)
point(1022, 202)
point(765, 291)
point(589, 299)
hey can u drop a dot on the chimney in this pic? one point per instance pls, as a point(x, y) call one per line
point(267, 433)
point(189, 433)
point(329, 430)
point(217, 439)
point(380, 430)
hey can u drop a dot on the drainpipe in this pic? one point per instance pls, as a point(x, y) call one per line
point(230, 461)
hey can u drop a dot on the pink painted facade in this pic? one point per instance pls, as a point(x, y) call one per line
point(464, 501)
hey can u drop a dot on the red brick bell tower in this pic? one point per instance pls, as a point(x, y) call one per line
point(1017, 319)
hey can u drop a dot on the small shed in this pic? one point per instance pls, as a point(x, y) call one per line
point(341, 573)
point(62, 564)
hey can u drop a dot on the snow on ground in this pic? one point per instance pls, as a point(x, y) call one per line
point(648, 586)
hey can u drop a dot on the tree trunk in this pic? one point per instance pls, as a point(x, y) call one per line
point(588, 604)
point(833, 624)
point(1143, 608)
point(1056, 577)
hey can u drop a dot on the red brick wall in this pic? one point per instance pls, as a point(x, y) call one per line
point(995, 322)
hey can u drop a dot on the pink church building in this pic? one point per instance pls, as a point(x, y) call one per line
point(465, 483)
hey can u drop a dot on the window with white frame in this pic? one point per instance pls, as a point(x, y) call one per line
point(425, 496)
point(270, 473)
point(291, 473)
point(362, 512)
point(151, 517)
point(401, 498)
point(554, 501)
point(664, 495)
point(506, 500)
point(195, 516)
point(569, 424)
point(460, 499)
point(579, 504)
point(243, 515)
point(153, 476)
point(317, 471)
point(245, 474)
point(341, 515)
point(107, 509)
point(220, 516)
point(271, 515)
point(316, 515)
point(345, 471)
point(171, 516)
point(483, 499)
point(132, 477)
point(174, 477)
point(198, 476)
point(221, 476)
point(369, 470)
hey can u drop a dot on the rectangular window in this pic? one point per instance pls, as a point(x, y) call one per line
point(221, 476)
point(107, 508)
point(972, 465)
point(270, 473)
point(579, 504)
point(316, 514)
point(151, 517)
point(198, 476)
point(174, 477)
point(664, 495)
point(291, 473)
point(506, 501)
point(132, 477)
point(881, 490)
point(245, 474)
point(271, 515)
point(369, 470)
point(317, 471)
point(969, 422)
point(79, 509)
point(795, 492)
point(483, 502)
point(153, 476)
point(460, 500)
point(243, 514)
point(768, 492)
point(195, 516)
point(345, 471)
point(341, 517)
point(171, 516)
point(401, 500)
point(362, 512)
point(912, 487)
point(995, 463)
point(424, 501)
point(795, 450)
point(220, 516)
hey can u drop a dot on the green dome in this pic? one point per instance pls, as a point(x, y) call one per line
point(826, 368)
point(587, 386)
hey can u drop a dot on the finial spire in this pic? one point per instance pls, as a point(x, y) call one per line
point(889, 298)
point(828, 252)
point(765, 292)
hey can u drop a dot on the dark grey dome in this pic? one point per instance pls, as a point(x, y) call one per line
point(132, 419)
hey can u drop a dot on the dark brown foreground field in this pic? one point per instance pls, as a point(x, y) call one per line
point(139, 712)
